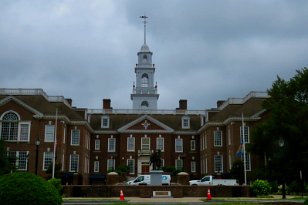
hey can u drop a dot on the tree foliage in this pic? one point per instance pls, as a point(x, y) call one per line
point(4, 162)
point(288, 123)
point(25, 188)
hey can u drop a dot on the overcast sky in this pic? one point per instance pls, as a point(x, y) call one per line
point(203, 50)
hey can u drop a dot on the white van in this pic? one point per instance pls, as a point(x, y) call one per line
point(146, 180)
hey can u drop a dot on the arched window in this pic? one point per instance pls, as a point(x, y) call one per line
point(12, 129)
point(144, 104)
point(9, 126)
point(145, 58)
point(144, 80)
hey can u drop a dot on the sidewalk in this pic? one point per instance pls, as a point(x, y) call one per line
point(188, 200)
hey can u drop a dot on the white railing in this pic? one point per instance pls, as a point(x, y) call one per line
point(141, 111)
point(38, 91)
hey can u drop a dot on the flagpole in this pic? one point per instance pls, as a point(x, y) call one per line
point(244, 149)
point(54, 146)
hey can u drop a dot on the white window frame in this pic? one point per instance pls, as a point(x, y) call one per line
point(178, 145)
point(160, 144)
point(96, 166)
point(145, 143)
point(246, 136)
point(218, 138)
point(131, 144)
point(193, 145)
point(27, 138)
point(247, 160)
point(74, 157)
point(49, 132)
point(75, 142)
point(193, 166)
point(112, 163)
point(179, 164)
point(97, 144)
point(112, 144)
point(218, 163)
point(129, 162)
point(185, 122)
point(105, 121)
point(47, 160)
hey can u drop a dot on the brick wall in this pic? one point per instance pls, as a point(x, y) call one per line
point(147, 191)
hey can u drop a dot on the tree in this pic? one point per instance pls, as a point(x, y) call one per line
point(282, 138)
point(4, 163)
point(26, 188)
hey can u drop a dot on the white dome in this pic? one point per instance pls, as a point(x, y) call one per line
point(145, 47)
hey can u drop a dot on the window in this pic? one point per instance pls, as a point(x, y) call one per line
point(179, 164)
point(246, 134)
point(217, 138)
point(193, 166)
point(110, 164)
point(74, 162)
point(9, 126)
point(97, 145)
point(160, 143)
point(192, 145)
point(49, 133)
point(96, 166)
point(185, 122)
point(111, 144)
point(14, 130)
point(47, 160)
point(247, 161)
point(75, 137)
point(145, 143)
point(144, 104)
point(130, 144)
point(24, 132)
point(145, 58)
point(18, 159)
point(218, 166)
point(105, 121)
point(144, 80)
point(131, 166)
point(178, 145)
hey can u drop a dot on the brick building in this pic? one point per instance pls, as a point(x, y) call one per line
point(92, 142)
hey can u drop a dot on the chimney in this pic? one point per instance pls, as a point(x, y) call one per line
point(106, 104)
point(219, 103)
point(182, 105)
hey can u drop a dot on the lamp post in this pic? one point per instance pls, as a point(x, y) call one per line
point(283, 189)
point(37, 144)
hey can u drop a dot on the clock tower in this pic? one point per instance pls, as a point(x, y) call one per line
point(144, 94)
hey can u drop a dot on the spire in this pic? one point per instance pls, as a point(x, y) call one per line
point(144, 22)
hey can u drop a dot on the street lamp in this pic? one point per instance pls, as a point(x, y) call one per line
point(37, 144)
point(283, 189)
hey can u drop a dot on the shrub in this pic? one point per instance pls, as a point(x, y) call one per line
point(25, 188)
point(57, 184)
point(261, 187)
point(306, 201)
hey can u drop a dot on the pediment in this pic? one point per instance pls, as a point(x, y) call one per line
point(145, 124)
point(21, 103)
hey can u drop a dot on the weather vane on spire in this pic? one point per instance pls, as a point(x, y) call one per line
point(144, 22)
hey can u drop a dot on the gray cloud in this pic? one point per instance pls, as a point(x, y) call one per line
point(203, 50)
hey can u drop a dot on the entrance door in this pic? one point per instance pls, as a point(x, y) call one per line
point(145, 167)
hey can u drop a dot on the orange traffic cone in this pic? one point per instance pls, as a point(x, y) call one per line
point(121, 196)
point(209, 197)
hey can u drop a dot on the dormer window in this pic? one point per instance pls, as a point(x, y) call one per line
point(185, 122)
point(105, 121)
